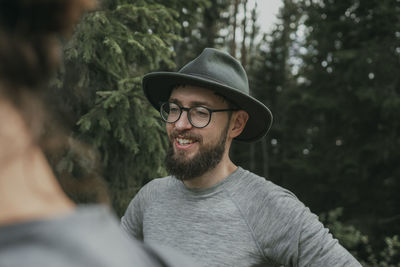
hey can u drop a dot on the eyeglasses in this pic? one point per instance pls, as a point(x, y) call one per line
point(198, 116)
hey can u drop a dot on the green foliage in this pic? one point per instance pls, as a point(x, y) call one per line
point(348, 235)
point(359, 245)
point(348, 81)
point(269, 77)
point(105, 60)
point(329, 73)
point(391, 254)
point(202, 27)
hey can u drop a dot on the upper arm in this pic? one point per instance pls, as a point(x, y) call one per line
point(317, 247)
point(296, 237)
point(132, 221)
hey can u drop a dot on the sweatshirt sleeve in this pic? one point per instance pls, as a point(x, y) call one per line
point(132, 221)
point(285, 230)
point(315, 245)
point(295, 237)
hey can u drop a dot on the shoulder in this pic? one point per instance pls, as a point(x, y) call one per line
point(252, 186)
point(265, 205)
point(74, 240)
point(151, 192)
point(119, 250)
point(163, 182)
point(157, 185)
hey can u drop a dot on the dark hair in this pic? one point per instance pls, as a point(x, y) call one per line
point(30, 31)
point(231, 104)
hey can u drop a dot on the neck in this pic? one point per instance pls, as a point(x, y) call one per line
point(28, 188)
point(213, 176)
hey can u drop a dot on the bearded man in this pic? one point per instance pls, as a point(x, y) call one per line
point(209, 208)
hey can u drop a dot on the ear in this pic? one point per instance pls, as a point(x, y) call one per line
point(238, 122)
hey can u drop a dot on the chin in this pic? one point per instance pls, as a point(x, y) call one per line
point(184, 154)
point(183, 157)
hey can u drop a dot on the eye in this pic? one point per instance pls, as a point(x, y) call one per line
point(174, 109)
point(200, 112)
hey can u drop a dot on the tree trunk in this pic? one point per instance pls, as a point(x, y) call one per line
point(244, 25)
point(235, 12)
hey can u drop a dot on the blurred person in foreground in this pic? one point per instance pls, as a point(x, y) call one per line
point(39, 224)
point(209, 208)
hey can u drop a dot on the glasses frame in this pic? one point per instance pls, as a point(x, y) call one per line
point(181, 109)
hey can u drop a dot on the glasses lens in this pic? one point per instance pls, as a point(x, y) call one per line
point(199, 116)
point(170, 112)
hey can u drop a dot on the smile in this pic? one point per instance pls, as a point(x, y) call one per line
point(184, 141)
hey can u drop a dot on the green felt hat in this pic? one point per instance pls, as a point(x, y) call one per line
point(220, 72)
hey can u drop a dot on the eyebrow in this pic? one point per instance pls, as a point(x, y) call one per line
point(193, 103)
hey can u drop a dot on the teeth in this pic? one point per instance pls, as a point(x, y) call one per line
point(182, 141)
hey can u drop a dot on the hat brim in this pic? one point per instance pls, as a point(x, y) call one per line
point(157, 87)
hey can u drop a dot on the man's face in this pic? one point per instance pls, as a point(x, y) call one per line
point(193, 151)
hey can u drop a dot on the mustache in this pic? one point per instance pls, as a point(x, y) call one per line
point(185, 134)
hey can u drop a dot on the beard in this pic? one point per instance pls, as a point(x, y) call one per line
point(206, 159)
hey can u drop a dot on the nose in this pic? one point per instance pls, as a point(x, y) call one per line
point(183, 123)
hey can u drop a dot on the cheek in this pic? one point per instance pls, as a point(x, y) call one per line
point(212, 135)
point(218, 127)
point(168, 127)
point(170, 130)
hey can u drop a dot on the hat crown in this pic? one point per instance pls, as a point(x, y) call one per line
point(219, 67)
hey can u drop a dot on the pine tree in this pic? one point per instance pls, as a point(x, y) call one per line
point(269, 77)
point(342, 147)
point(208, 27)
point(100, 84)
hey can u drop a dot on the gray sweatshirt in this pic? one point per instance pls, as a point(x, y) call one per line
point(238, 222)
point(88, 237)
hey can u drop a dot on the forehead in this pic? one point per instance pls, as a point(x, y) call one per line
point(189, 94)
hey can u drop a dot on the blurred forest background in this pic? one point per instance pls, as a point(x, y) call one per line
point(329, 71)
